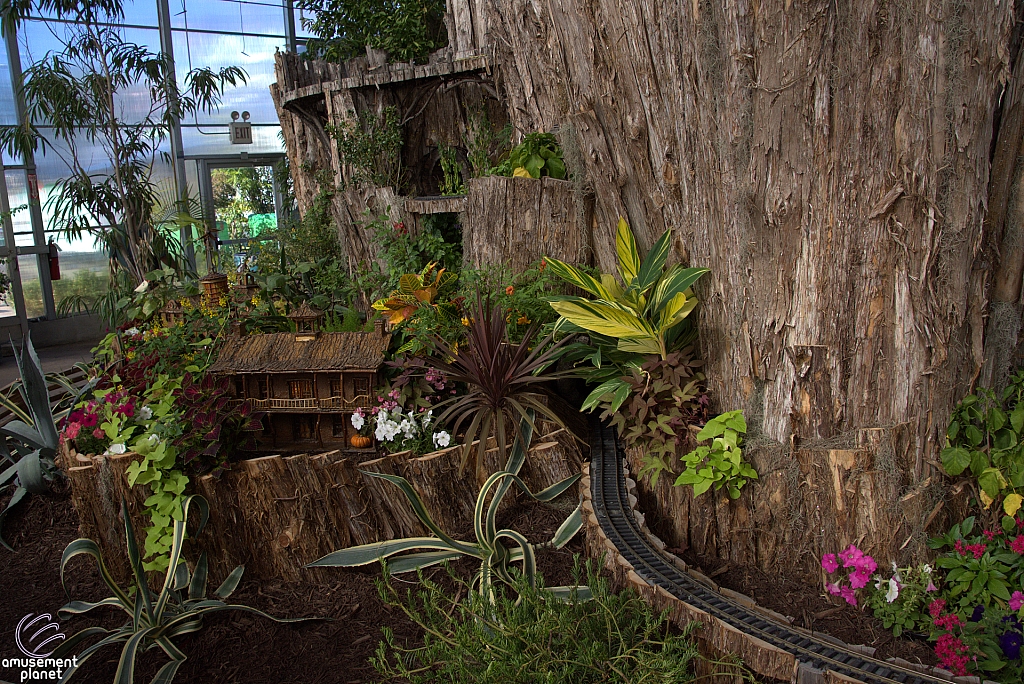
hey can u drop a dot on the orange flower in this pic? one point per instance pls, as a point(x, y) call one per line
point(543, 263)
point(509, 290)
point(523, 320)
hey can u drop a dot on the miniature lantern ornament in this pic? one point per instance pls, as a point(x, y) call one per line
point(215, 286)
point(306, 320)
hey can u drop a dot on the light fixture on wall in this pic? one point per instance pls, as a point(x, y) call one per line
point(241, 131)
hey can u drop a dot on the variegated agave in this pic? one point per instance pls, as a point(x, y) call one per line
point(156, 619)
point(496, 558)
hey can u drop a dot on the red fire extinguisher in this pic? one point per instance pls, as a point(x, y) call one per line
point(54, 261)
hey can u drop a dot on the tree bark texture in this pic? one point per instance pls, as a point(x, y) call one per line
point(516, 221)
point(830, 163)
point(275, 514)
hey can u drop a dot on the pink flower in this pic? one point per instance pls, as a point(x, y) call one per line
point(850, 595)
point(952, 653)
point(850, 556)
point(859, 578)
point(828, 561)
point(72, 430)
point(89, 420)
point(948, 622)
point(1017, 545)
point(833, 588)
point(1016, 600)
point(978, 550)
point(959, 547)
point(931, 586)
point(98, 433)
point(936, 607)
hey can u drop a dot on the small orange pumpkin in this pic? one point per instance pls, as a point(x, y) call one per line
point(360, 441)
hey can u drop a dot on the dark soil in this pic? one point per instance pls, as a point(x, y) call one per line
point(811, 608)
point(231, 647)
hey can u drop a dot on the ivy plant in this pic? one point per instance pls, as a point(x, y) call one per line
point(538, 155)
point(985, 440)
point(721, 463)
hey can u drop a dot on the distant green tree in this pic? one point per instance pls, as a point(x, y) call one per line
point(408, 29)
point(102, 93)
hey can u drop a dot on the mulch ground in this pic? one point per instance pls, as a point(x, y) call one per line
point(235, 647)
point(231, 647)
point(811, 608)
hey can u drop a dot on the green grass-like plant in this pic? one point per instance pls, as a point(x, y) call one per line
point(533, 636)
point(156, 618)
point(496, 559)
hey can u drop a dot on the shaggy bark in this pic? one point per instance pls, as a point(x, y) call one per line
point(830, 163)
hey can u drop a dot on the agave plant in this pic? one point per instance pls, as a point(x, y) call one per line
point(503, 380)
point(496, 559)
point(155, 618)
point(645, 314)
point(28, 443)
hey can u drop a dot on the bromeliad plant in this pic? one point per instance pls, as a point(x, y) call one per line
point(156, 619)
point(28, 444)
point(496, 559)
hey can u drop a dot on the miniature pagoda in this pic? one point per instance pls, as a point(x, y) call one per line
point(308, 382)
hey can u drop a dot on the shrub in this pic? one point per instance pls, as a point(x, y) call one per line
point(408, 30)
point(538, 155)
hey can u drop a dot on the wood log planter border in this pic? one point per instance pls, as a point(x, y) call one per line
point(276, 514)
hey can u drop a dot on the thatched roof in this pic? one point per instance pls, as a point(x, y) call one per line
point(305, 312)
point(282, 353)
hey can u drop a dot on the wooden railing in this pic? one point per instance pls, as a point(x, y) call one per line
point(312, 404)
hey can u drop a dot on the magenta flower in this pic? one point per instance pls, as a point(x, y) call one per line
point(859, 578)
point(1016, 599)
point(849, 594)
point(833, 588)
point(1017, 545)
point(828, 561)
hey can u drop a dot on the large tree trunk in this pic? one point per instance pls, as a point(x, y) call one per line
point(829, 161)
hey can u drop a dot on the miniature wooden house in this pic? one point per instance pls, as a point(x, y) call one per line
point(309, 382)
point(172, 313)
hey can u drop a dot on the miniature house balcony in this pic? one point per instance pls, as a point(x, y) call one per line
point(306, 405)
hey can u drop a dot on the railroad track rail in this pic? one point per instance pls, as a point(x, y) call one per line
point(819, 659)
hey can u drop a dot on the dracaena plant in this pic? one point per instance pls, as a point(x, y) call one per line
point(496, 558)
point(28, 443)
point(644, 314)
point(156, 618)
point(503, 380)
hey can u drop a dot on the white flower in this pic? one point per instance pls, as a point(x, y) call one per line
point(154, 439)
point(442, 439)
point(145, 413)
point(927, 569)
point(894, 590)
point(115, 449)
point(878, 582)
point(131, 331)
point(386, 430)
point(358, 421)
point(427, 418)
point(408, 428)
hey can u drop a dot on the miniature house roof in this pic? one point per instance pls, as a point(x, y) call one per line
point(305, 312)
point(172, 306)
point(281, 353)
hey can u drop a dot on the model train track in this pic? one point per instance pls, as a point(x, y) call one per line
point(615, 515)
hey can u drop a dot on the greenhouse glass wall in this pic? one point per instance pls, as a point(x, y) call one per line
point(206, 33)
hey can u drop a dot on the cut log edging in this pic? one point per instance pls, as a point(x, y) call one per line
point(276, 514)
point(716, 639)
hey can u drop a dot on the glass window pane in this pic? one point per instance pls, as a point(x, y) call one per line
point(242, 16)
point(265, 140)
point(7, 302)
point(83, 274)
point(255, 55)
point(28, 264)
point(17, 196)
